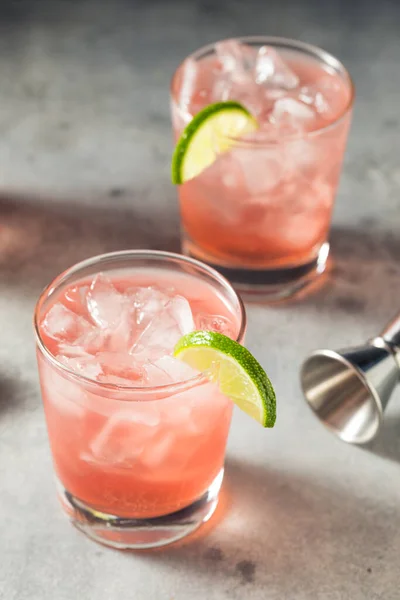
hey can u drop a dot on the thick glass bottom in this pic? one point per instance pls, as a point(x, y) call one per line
point(266, 284)
point(124, 533)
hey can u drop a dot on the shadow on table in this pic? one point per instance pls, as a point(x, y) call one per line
point(41, 236)
point(283, 525)
point(364, 271)
point(387, 443)
point(11, 395)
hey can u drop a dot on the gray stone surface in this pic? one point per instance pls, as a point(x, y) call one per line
point(84, 168)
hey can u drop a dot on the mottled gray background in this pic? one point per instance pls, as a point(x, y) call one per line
point(85, 148)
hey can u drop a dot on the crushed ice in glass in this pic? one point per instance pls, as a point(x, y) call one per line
point(295, 111)
point(261, 79)
point(125, 338)
point(86, 366)
point(148, 302)
point(105, 304)
point(271, 70)
point(118, 442)
point(165, 329)
point(61, 322)
point(168, 369)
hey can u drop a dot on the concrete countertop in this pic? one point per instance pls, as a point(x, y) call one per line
point(85, 146)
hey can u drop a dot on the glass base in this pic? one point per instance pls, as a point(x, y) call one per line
point(124, 533)
point(267, 284)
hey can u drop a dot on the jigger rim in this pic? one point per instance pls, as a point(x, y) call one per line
point(358, 440)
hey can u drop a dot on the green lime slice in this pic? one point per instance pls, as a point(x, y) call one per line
point(239, 375)
point(210, 132)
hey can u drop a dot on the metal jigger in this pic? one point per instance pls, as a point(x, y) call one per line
point(349, 389)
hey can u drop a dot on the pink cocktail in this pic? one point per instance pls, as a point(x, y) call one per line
point(261, 212)
point(138, 437)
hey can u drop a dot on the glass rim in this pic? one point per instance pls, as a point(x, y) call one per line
point(167, 389)
point(323, 55)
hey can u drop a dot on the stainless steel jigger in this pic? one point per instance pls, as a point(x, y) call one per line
point(349, 389)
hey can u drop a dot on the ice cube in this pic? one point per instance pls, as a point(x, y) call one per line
point(75, 298)
point(256, 78)
point(189, 80)
point(216, 323)
point(121, 364)
point(179, 308)
point(156, 376)
point(222, 88)
point(88, 343)
point(262, 167)
point(158, 451)
point(104, 302)
point(244, 91)
point(225, 175)
point(325, 96)
point(117, 362)
point(120, 338)
point(271, 70)
point(235, 80)
point(299, 113)
point(88, 367)
point(307, 221)
point(235, 58)
point(250, 96)
point(273, 94)
point(148, 302)
point(164, 330)
point(61, 323)
point(176, 370)
point(168, 370)
point(72, 350)
point(92, 341)
point(191, 410)
point(125, 434)
point(313, 97)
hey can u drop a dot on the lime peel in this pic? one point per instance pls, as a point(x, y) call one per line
point(240, 376)
point(211, 131)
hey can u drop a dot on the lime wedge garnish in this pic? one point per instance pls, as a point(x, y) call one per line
point(210, 132)
point(239, 375)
